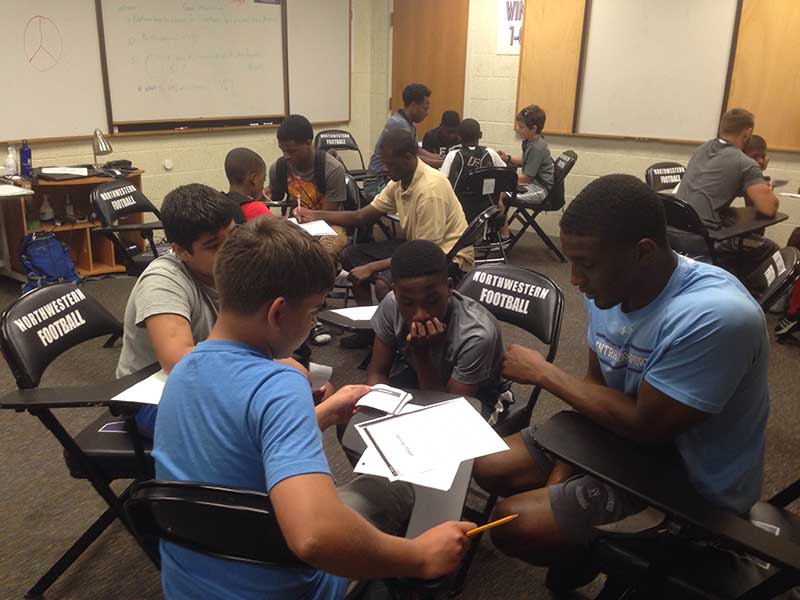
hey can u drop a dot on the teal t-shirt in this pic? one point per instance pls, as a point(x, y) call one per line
point(230, 415)
point(703, 342)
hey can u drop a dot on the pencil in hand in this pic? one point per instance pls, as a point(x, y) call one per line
point(502, 521)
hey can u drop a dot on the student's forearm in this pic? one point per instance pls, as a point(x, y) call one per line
point(364, 552)
point(522, 178)
point(603, 405)
point(379, 265)
point(431, 158)
point(344, 218)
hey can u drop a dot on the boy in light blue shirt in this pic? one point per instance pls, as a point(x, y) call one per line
point(230, 414)
point(677, 354)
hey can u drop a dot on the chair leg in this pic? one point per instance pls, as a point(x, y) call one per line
point(548, 242)
point(111, 341)
point(72, 554)
point(614, 590)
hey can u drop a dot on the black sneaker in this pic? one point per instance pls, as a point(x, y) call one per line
point(787, 325)
point(360, 339)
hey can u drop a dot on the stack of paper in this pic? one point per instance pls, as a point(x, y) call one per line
point(357, 313)
point(315, 228)
point(426, 445)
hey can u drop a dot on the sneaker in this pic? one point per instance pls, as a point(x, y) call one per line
point(360, 339)
point(787, 325)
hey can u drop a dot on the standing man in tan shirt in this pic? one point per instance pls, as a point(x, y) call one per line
point(427, 207)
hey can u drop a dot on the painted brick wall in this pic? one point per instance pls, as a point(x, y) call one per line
point(490, 93)
point(199, 157)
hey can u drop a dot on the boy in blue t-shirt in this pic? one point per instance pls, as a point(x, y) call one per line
point(677, 353)
point(231, 415)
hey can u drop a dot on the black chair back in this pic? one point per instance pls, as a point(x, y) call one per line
point(336, 140)
point(483, 187)
point(664, 175)
point(220, 521)
point(563, 164)
point(474, 231)
point(683, 217)
point(521, 297)
point(119, 198)
point(44, 323)
point(776, 275)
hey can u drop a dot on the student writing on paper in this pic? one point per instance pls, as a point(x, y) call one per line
point(538, 170)
point(312, 178)
point(230, 414)
point(246, 173)
point(677, 354)
point(427, 207)
point(717, 173)
point(449, 342)
point(174, 304)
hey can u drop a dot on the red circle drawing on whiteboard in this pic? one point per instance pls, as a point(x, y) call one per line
point(43, 43)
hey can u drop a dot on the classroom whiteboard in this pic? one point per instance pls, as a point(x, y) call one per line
point(51, 61)
point(656, 68)
point(319, 59)
point(194, 59)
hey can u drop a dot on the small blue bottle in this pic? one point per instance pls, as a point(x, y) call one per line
point(25, 162)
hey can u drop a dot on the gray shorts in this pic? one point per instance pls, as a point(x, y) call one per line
point(586, 508)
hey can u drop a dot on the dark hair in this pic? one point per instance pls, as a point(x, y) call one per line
point(469, 131)
point(295, 128)
point(415, 93)
point(532, 116)
point(617, 208)
point(240, 162)
point(268, 258)
point(450, 118)
point(418, 258)
point(398, 141)
point(735, 121)
point(755, 145)
point(192, 210)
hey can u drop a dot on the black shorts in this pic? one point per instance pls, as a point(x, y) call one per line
point(586, 508)
point(363, 254)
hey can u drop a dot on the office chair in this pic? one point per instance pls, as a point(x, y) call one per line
point(526, 211)
point(700, 548)
point(92, 454)
point(664, 176)
point(337, 141)
point(115, 200)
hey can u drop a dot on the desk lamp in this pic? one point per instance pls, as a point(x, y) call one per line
point(100, 146)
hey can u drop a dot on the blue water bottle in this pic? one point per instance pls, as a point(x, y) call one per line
point(25, 162)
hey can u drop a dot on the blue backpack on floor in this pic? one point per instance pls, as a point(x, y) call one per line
point(46, 260)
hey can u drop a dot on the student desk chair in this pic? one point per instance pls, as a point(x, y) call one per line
point(645, 566)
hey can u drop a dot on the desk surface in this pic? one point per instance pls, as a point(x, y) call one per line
point(328, 317)
point(578, 441)
point(747, 220)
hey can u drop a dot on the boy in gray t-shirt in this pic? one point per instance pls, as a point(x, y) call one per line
point(450, 342)
point(538, 170)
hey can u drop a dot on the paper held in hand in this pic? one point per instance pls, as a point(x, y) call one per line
point(385, 398)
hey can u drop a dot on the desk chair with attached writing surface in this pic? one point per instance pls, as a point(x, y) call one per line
point(474, 231)
point(526, 210)
point(338, 141)
point(479, 190)
point(34, 330)
point(117, 199)
point(664, 176)
point(498, 288)
point(700, 547)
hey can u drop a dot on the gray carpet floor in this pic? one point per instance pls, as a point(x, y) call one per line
point(43, 510)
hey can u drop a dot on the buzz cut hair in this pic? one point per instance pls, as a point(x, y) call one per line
point(240, 163)
point(419, 258)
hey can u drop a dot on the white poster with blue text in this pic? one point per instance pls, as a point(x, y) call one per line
point(509, 25)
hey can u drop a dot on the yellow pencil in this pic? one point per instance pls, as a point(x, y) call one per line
point(472, 532)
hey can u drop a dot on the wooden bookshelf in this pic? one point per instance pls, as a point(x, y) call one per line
point(92, 252)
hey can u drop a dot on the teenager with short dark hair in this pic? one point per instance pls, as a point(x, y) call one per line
point(440, 139)
point(231, 415)
point(717, 173)
point(427, 208)
point(310, 178)
point(678, 354)
point(246, 173)
point(416, 105)
point(538, 170)
point(450, 342)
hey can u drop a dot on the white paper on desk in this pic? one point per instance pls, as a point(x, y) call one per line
point(441, 478)
point(439, 435)
point(147, 391)
point(315, 228)
point(7, 191)
point(79, 171)
point(789, 194)
point(357, 313)
point(385, 398)
point(319, 374)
